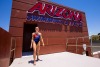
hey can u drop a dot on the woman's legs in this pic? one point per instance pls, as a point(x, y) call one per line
point(34, 53)
point(37, 50)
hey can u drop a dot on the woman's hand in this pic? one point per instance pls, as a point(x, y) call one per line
point(43, 45)
point(31, 46)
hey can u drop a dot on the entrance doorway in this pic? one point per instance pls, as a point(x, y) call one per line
point(27, 35)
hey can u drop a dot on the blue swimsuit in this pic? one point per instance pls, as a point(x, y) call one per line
point(36, 38)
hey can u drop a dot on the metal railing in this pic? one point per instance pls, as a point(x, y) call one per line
point(88, 40)
point(12, 51)
point(75, 42)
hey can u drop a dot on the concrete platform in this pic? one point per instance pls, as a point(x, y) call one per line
point(63, 59)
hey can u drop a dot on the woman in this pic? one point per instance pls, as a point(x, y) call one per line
point(35, 43)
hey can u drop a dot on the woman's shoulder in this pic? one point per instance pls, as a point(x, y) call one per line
point(33, 33)
point(40, 33)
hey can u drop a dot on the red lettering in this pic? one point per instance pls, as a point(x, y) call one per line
point(58, 12)
point(65, 13)
point(77, 16)
point(55, 11)
point(48, 10)
point(38, 7)
point(70, 15)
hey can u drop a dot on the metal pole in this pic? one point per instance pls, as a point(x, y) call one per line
point(91, 46)
point(83, 47)
point(47, 41)
point(76, 44)
point(66, 43)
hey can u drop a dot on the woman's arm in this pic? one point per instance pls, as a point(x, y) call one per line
point(41, 39)
point(31, 41)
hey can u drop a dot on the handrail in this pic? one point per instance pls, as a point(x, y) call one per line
point(12, 51)
point(82, 46)
point(12, 44)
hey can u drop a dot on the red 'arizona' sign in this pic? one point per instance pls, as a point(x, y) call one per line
point(55, 11)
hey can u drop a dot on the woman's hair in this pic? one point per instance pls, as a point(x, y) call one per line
point(36, 27)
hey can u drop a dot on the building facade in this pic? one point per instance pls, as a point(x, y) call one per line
point(57, 23)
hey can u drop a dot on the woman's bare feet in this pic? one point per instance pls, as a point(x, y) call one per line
point(34, 63)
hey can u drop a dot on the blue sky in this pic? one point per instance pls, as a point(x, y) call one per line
point(90, 7)
point(5, 12)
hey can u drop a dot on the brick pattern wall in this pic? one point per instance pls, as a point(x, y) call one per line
point(55, 33)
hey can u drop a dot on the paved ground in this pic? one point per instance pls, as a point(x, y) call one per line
point(63, 59)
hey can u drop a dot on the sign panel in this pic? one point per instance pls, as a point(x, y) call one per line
point(50, 13)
